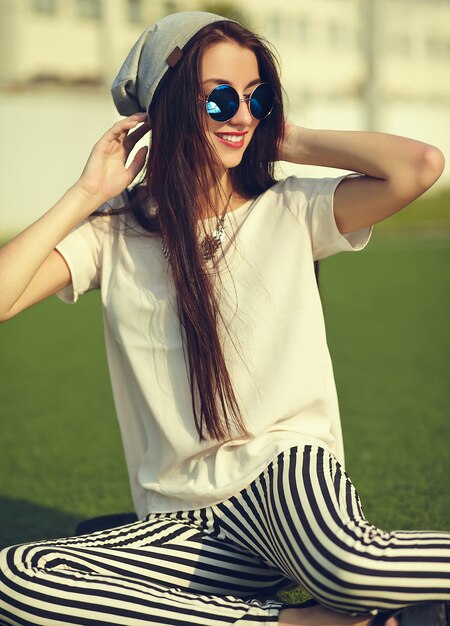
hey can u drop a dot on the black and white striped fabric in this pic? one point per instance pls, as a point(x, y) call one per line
point(300, 521)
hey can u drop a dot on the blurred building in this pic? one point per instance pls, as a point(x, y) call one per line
point(67, 41)
point(349, 64)
point(379, 50)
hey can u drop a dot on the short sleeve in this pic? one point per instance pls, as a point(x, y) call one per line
point(81, 250)
point(311, 202)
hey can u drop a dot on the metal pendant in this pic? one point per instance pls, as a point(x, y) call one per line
point(208, 245)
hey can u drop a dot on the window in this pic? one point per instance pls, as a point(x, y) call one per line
point(275, 26)
point(135, 11)
point(359, 39)
point(303, 30)
point(436, 47)
point(89, 9)
point(44, 6)
point(336, 34)
point(401, 44)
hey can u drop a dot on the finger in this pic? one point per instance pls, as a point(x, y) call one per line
point(135, 135)
point(137, 163)
point(141, 116)
point(126, 123)
point(136, 117)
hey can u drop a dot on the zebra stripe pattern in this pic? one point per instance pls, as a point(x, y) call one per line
point(299, 522)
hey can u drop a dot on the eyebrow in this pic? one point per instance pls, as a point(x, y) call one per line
point(224, 81)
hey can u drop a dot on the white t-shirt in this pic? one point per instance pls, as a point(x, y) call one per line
point(275, 347)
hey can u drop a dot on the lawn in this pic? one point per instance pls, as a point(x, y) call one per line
point(387, 311)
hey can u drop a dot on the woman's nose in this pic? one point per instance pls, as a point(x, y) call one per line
point(242, 115)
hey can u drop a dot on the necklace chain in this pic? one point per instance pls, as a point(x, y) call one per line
point(210, 243)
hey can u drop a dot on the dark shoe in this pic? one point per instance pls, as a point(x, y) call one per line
point(427, 614)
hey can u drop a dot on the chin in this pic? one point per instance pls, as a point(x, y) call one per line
point(231, 159)
point(229, 163)
point(228, 157)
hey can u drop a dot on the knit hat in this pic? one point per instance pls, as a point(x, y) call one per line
point(159, 47)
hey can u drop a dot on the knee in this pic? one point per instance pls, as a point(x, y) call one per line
point(14, 562)
point(6, 576)
point(347, 573)
point(6, 557)
point(14, 583)
point(10, 564)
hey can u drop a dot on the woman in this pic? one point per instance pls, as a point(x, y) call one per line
point(212, 318)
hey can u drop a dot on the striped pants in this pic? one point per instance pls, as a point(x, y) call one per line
point(300, 521)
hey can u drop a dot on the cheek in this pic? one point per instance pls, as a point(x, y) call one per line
point(210, 127)
point(208, 123)
point(252, 129)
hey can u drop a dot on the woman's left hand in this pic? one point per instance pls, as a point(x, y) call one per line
point(286, 145)
point(397, 170)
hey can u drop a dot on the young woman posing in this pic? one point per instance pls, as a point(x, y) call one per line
point(217, 353)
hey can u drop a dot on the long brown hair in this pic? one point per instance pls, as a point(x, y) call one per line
point(179, 171)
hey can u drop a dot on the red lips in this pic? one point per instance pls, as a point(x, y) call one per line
point(232, 143)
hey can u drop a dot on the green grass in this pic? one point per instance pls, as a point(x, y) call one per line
point(387, 311)
point(61, 455)
point(431, 212)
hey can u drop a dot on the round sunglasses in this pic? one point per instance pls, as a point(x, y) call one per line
point(223, 102)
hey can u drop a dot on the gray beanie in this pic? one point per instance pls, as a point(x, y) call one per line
point(159, 47)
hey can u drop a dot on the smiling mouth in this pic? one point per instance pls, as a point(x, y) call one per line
point(234, 140)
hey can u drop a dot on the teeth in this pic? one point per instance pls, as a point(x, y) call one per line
point(232, 138)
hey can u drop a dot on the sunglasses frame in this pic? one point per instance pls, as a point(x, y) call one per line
point(246, 99)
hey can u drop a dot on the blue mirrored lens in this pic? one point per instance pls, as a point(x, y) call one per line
point(222, 103)
point(261, 102)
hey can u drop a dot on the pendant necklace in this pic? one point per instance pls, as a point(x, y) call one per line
point(210, 243)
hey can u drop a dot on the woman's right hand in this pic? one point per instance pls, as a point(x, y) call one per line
point(30, 268)
point(105, 174)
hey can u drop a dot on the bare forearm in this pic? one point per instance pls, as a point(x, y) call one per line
point(378, 155)
point(29, 269)
point(397, 170)
point(22, 257)
point(349, 150)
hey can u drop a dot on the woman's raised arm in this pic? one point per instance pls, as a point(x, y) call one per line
point(397, 170)
point(30, 268)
